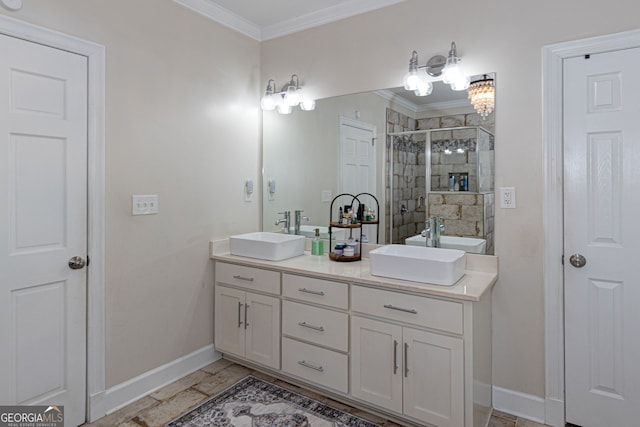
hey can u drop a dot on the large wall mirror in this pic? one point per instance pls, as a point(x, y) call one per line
point(420, 156)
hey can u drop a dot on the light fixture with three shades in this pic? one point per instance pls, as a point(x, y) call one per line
point(290, 96)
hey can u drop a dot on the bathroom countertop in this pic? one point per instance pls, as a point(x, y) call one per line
point(481, 272)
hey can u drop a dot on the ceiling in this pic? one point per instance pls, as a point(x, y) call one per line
point(268, 19)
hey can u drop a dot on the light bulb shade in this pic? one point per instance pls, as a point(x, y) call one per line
point(284, 108)
point(424, 88)
point(308, 104)
point(411, 80)
point(460, 83)
point(482, 94)
point(292, 96)
point(268, 102)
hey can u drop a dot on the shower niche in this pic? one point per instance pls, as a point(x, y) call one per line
point(446, 172)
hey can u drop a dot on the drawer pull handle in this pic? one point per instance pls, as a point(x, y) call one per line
point(307, 291)
point(239, 316)
point(406, 360)
point(395, 357)
point(239, 277)
point(307, 325)
point(406, 310)
point(246, 310)
point(310, 366)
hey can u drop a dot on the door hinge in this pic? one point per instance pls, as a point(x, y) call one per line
point(562, 259)
point(373, 141)
point(88, 260)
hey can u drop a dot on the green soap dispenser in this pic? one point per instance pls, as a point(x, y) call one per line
point(317, 244)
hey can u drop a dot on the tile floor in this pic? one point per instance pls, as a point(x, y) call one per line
point(176, 398)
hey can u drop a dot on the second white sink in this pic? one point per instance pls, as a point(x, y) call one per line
point(467, 244)
point(266, 245)
point(434, 266)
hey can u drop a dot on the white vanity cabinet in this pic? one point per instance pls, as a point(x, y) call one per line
point(416, 354)
point(247, 323)
point(408, 371)
point(315, 330)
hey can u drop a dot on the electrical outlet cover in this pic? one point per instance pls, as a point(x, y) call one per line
point(507, 198)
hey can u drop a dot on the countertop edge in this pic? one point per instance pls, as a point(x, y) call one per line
point(480, 275)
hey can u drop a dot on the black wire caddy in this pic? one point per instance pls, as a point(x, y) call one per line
point(351, 226)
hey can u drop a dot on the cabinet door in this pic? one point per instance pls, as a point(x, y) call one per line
point(262, 329)
point(229, 320)
point(376, 362)
point(433, 383)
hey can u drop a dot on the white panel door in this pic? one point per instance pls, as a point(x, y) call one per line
point(434, 378)
point(602, 207)
point(262, 342)
point(357, 157)
point(229, 320)
point(43, 223)
point(376, 362)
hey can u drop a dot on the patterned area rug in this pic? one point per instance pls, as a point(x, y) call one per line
point(252, 402)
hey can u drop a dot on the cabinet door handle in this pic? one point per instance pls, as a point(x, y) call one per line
point(246, 310)
point(239, 277)
point(308, 291)
point(406, 360)
point(310, 366)
point(395, 357)
point(307, 325)
point(239, 315)
point(406, 310)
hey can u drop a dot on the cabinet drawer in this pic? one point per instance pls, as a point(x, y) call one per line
point(248, 277)
point(317, 325)
point(318, 365)
point(319, 291)
point(423, 311)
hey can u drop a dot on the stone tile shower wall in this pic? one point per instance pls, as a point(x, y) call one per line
point(409, 185)
point(467, 215)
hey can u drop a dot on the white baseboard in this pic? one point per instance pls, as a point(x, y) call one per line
point(554, 412)
point(129, 391)
point(520, 404)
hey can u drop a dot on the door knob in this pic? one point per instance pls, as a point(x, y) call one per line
point(76, 263)
point(577, 260)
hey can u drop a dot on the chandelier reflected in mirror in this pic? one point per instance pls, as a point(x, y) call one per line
point(482, 94)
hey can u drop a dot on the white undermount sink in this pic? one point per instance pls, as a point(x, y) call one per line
point(266, 245)
point(435, 266)
point(467, 244)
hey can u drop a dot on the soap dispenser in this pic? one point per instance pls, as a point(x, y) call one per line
point(317, 245)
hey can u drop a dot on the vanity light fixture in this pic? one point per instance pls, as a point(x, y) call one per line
point(437, 67)
point(290, 96)
point(482, 94)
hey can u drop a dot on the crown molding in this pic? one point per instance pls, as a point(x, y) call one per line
point(236, 22)
point(434, 106)
point(223, 16)
point(324, 16)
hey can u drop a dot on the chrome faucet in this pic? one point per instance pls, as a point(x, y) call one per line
point(432, 231)
point(298, 219)
point(287, 221)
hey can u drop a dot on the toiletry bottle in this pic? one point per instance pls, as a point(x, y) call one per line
point(317, 244)
point(452, 182)
point(340, 215)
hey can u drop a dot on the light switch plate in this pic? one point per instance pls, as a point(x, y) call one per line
point(144, 204)
point(326, 195)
